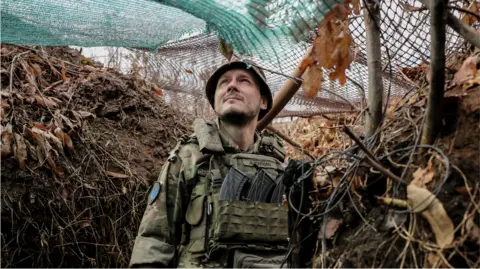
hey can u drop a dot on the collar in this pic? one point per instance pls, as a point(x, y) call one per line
point(230, 146)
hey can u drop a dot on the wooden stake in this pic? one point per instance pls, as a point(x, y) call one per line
point(285, 94)
point(374, 63)
point(438, 19)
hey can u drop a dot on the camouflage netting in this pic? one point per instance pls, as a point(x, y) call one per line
point(182, 41)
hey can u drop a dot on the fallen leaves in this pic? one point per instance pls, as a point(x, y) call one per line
point(468, 75)
point(20, 150)
point(7, 139)
point(424, 202)
point(47, 102)
point(423, 176)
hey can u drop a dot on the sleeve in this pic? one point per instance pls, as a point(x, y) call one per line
point(160, 228)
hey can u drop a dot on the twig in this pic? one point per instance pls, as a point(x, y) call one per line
point(374, 63)
point(466, 11)
point(467, 32)
point(371, 159)
point(437, 72)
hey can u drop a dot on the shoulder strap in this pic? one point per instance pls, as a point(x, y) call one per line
point(208, 136)
point(271, 145)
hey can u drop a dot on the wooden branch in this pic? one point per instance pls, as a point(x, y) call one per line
point(371, 159)
point(285, 94)
point(374, 63)
point(433, 113)
point(290, 141)
point(467, 32)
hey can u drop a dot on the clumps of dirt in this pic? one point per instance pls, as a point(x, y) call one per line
point(81, 146)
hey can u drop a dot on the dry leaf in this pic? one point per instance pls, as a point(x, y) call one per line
point(467, 71)
point(435, 261)
point(64, 73)
point(332, 227)
point(67, 141)
point(84, 223)
point(356, 7)
point(20, 150)
point(54, 141)
point(423, 176)
point(226, 49)
point(84, 114)
point(117, 175)
point(470, 19)
point(424, 202)
point(46, 102)
point(312, 81)
point(473, 230)
point(7, 139)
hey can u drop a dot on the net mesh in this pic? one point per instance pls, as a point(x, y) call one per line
point(179, 41)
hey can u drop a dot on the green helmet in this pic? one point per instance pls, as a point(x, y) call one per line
point(264, 89)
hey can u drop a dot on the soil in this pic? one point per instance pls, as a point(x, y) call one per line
point(87, 212)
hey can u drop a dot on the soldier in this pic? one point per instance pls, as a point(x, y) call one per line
point(218, 199)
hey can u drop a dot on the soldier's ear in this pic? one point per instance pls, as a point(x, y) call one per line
point(263, 103)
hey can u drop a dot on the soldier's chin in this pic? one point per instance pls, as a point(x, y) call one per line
point(235, 117)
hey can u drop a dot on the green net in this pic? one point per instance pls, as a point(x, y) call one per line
point(266, 28)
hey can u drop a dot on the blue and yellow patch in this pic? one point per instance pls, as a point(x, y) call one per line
point(154, 193)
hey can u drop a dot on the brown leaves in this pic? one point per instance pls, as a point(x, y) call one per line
point(468, 74)
point(423, 176)
point(312, 81)
point(7, 139)
point(47, 102)
point(331, 49)
point(20, 150)
point(424, 202)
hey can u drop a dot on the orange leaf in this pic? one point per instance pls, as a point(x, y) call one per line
point(356, 7)
point(312, 81)
point(158, 91)
point(67, 141)
point(64, 73)
point(189, 71)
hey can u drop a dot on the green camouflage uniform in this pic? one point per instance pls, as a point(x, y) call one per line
point(186, 225)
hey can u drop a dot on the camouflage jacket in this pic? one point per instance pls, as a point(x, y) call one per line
point(173, 223)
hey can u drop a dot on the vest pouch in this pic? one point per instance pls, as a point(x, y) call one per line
point(250, 163)
point(250, 222)
point(195, 217)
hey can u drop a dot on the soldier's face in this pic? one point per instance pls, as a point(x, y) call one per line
point(238, 96)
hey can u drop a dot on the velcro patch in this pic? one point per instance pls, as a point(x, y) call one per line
point(154, 193)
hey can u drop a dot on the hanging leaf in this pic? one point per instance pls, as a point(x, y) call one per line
point(424, 202)
point(312, 81)
point(20, 150)
point(409, 8)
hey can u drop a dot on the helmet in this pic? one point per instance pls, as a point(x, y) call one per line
point(264, 89)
